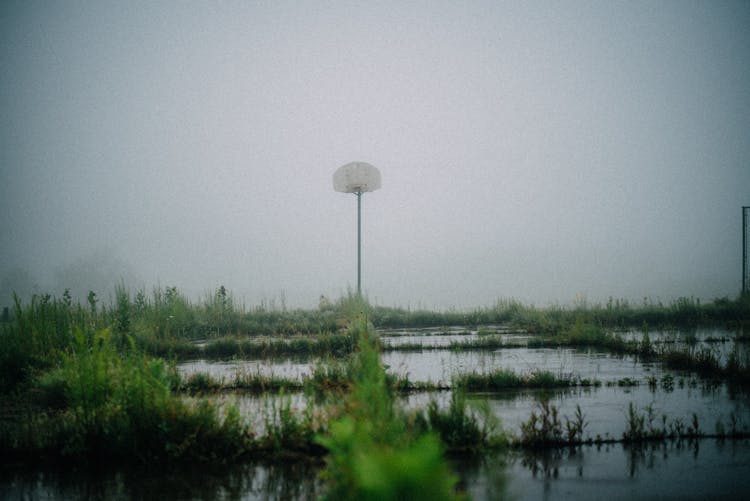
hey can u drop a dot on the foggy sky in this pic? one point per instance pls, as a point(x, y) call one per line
point(544, 151)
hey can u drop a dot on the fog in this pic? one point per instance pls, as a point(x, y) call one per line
point(544, 151)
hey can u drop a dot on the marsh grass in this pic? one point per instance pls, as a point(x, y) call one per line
point(164, 322)
point(615, 313)
point(705, 362)
point(545, 427)
point(372, 453)
point(462, 428)
point(92, 392)
point(502, 379)
point(119, 406)
point(231, 347)
point(584, 334)
point(291, 433)
point(38, 332)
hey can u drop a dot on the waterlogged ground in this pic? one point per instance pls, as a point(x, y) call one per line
point(605, 408)
point(620, 379)
point(293, 480)
point(439, 366)
point(697, 469)
point(290, 368)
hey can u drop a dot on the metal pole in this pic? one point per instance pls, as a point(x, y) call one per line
point(744, 249)
point(359, 243)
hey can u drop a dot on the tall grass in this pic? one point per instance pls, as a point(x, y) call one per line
point(503, 379)
point(372, 454)
point(120, 405)
point(684, 311)
point(461, 428)
point(164, 320)
point(37, 334)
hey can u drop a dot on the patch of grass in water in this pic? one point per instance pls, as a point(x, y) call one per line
point(508, 379)
point(462, 429)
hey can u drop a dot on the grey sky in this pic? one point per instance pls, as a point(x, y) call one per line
point(535, 150)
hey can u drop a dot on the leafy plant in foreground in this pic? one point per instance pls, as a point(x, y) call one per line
point(372, 454)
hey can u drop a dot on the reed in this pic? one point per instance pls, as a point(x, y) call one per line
point(463, 429)
point(287, 432)
point(503, 379)
point(372, 454)
point(120, 406)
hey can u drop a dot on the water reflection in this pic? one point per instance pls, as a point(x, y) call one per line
point(439, 366)
point(697, 469)
point(289, 480)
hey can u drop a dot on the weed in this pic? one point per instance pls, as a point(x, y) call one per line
point(286, 431)
point(667, 382)
point(635, 425)
point(461, 428)
point(372, 455)
point(544, 428)
point(121, 406)
point(576, 426)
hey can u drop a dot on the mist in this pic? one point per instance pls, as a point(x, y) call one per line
point(547, 151)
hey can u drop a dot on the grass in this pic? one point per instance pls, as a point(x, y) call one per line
point(102, 398)
point(615, 313)
point(372, 452)
point(504, 379)
point(119, 406)
point(547, 428)
point(87, 387)
point(705, 362)
point(202, 383)
point(164, 321)
point(290, 434)
point(462, 429)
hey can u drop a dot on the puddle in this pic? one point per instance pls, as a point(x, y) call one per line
point(281, 481)
point(292, 368)
point(439, 366)
point(698, 469)
point(605, 409)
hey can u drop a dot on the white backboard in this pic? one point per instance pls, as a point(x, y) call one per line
point(356, 177)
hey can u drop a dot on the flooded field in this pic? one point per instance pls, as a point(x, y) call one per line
point(292, 368)
point(617, 384)
point(697, 469)
point(665, 398)
point(620, 379)
point(441, 365)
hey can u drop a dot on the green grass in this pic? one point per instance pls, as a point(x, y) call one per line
point(86, 387)
point(119, 406)
point(464, 429)
point(372, 453)
point(503, 379)
point(164, 321)
point(705, 362)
